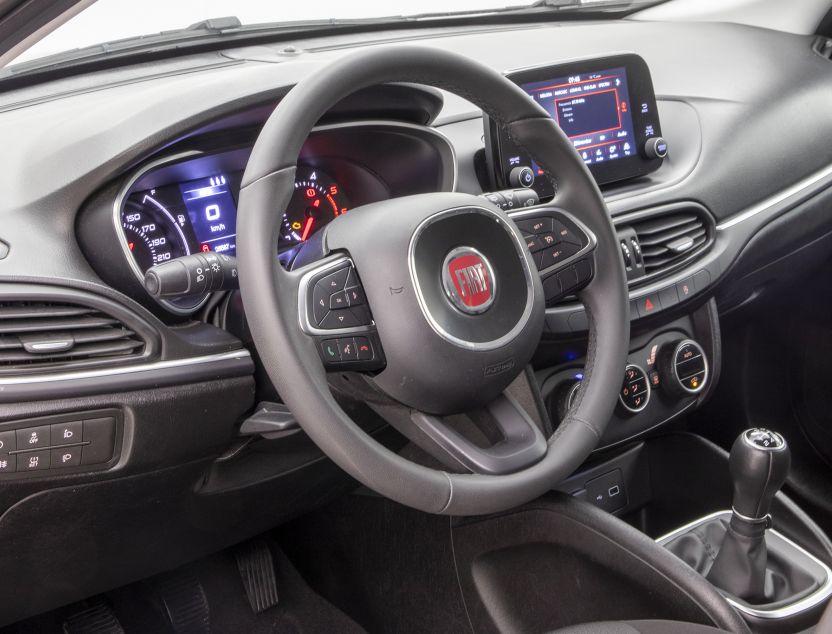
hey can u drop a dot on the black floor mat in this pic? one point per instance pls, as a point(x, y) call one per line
point(388, 567)
point(299, 611)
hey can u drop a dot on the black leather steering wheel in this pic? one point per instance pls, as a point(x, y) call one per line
point(443, 353)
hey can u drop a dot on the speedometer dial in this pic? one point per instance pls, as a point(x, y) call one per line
point(154, 235)
point(317, 201)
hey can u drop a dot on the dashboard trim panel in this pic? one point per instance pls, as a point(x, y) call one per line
point(99, 381)
point(798, 188)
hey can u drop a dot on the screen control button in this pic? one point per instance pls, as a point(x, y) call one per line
point(655, 147)
point(521, 176)
point(100, 433)
point(62, 457)
point(66, 433)
point(32, 437)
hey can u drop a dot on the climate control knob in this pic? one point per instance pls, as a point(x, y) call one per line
point(565, 398)
point(635, 391)
point(683, 367)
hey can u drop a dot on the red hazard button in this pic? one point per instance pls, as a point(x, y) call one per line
point(648, 305)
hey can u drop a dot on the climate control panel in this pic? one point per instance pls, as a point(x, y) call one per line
point(663, 377)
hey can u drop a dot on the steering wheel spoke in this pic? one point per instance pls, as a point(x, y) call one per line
point(562, 248)
point(333, 310)
point(497, 439)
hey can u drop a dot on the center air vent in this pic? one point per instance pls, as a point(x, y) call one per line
point(669, 237)
point(51, 333)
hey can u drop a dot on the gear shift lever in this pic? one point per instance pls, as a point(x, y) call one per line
point(759, 465)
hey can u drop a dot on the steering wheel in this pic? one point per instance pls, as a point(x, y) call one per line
point(447, 302)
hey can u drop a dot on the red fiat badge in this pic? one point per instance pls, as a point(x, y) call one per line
point(468, 280)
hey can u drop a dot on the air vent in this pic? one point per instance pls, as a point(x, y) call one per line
point(50, 333)
point(823, 47)
point(669, 237)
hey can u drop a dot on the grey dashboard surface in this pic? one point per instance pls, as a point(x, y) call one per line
point(752, 93)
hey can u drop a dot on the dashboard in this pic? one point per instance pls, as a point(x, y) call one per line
point(186, 202)
point(113, 174)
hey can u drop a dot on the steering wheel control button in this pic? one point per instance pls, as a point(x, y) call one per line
point(347, 349)
point(355, 296)
point(364, 348)
point(551, 256)
point(338, 301)
point(32, 438)
point(536, 225)
point(330, 351)
point(62, 457)
point(99, 434)
point(336, 281)
point(336, 319)
point(635, 391)
point(566, 234)
point(468, 280)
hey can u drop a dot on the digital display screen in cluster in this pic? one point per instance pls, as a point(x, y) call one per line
point(212, 213)
point(594, 111)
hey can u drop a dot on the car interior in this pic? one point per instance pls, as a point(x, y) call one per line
point(416, 317)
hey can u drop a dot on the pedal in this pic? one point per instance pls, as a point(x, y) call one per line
point(98, 618)
point(184, 603)
point(256, 566)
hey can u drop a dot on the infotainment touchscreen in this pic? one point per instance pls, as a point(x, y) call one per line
point(605, 106)
point(593, 109)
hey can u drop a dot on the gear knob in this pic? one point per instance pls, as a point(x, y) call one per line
point(759, 464)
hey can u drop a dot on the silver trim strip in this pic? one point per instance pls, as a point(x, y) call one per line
point(122, 370)
point(527, 273)
point(806, 603)
point(776, 199)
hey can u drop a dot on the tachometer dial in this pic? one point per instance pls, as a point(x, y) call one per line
point(153, 233)
point(317, 200)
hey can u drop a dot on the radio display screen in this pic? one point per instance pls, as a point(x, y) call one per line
point(593, 109)
point(604, 105)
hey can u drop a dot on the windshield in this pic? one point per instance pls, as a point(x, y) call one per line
point(112, 20)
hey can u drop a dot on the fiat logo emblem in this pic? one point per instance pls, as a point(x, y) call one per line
point(468, 280)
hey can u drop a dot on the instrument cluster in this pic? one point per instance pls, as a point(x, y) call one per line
point(187, 203)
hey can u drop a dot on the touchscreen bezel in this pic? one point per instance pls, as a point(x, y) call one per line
point(640, 87)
